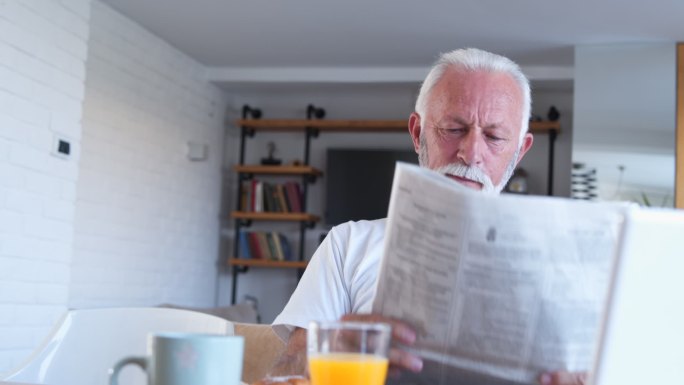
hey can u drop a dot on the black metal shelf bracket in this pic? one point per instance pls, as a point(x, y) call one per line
point(249, 131)
point(314, 112)
point(311, 132)
point(552, 144)
point(244, 133)
point(254, 113)
point(250, 112)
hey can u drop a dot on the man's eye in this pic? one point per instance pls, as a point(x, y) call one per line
point(494, 138)
point(457, 130)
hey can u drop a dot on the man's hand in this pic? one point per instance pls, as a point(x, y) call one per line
point(564, 378)
point(401, 334)
point(293, 360)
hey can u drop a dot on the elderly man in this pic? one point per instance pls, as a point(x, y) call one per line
point(470, 123)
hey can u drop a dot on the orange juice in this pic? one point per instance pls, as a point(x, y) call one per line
point(347, 369)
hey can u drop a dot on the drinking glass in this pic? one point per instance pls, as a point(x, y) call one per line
point(348, 353)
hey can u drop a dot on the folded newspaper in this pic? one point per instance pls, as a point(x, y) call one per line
point(499, 287)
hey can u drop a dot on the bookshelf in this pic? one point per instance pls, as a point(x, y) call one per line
point(311, 128)
point(270, 216)
point(277, 170)
point(264, 263)
point(244, 218)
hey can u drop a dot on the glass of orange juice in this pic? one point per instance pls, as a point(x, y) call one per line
point(348, 353)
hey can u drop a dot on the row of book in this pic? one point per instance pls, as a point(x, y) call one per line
point(265, 245)
point(259, 196)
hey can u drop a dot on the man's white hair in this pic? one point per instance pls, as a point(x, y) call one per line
point(473, 59)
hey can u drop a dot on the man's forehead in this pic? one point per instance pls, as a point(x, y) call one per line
point(465, 79)
point(491, 95)
point(489, 99)
point(495, 120)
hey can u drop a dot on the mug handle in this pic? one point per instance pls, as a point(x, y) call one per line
point(114, 372)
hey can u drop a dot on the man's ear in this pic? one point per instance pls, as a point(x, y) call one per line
point(414, 130)
point(528, 139)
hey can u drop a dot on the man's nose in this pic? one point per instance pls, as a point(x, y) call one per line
point(470, 148)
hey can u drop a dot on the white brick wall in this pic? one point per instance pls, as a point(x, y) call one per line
point(128, 220)
point(43, 48)
point(146, 225)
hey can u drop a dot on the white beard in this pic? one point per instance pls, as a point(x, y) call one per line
point(469, 172)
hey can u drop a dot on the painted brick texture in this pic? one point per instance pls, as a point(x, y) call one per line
point(43, 49)
point(147, 218)
point(128, 219)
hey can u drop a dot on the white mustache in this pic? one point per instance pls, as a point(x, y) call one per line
point(468, 172)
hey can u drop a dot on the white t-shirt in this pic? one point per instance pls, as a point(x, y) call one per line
point(341, 277)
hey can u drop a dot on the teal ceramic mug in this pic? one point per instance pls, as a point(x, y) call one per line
point(183, 359)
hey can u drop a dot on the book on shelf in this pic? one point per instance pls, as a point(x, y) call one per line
point(299, 196)
point(265, 245)
point(280, 193)
point(258, 196)
point(254, 246)
point(292, 191)
point(271, 245)
point(245, 195)
point(262, 195)
point(244, 246)
point(276, 244)
point(276, 202)
point(285, 246)
point(270, 204)
point(266, 188)
point(252, 195)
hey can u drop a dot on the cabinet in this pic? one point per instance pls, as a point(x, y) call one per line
point(311, 128)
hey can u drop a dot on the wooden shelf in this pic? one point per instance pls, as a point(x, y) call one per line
point(295, 125)
point(277, 170)
point(269, 216)
point(544, 126)
point(267, 263)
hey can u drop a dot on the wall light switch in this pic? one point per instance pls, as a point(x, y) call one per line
point(61, 147)
point(197, 151)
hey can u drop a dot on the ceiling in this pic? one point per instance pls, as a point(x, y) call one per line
point(271, 41)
